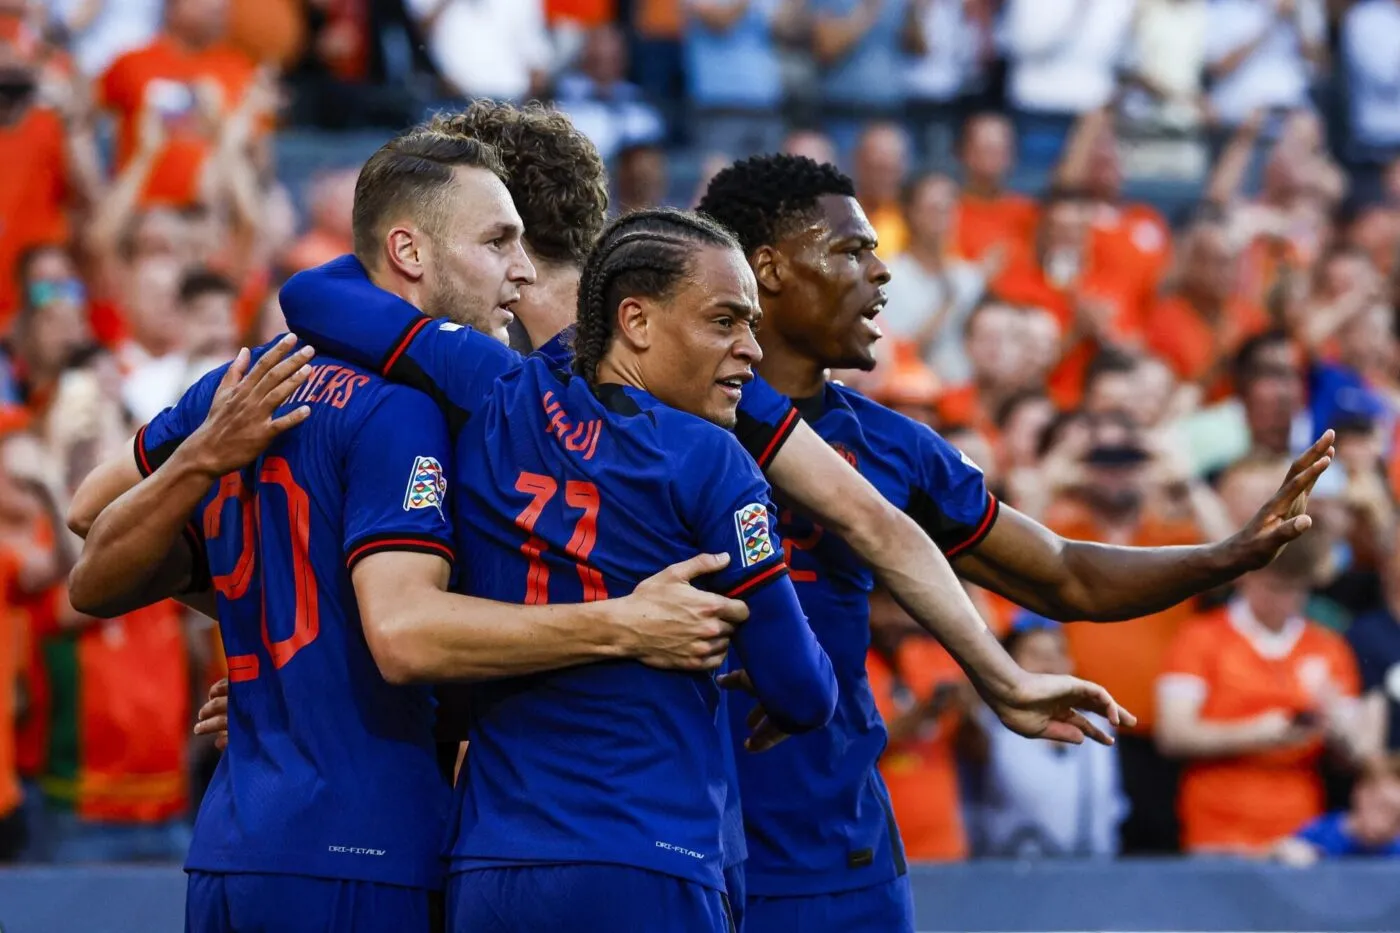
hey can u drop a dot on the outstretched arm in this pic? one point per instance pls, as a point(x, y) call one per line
point(818, 480)
point(1025, 562)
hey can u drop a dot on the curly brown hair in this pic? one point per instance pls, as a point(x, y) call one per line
point(554, 173)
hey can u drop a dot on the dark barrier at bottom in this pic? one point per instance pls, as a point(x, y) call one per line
point(981, 897)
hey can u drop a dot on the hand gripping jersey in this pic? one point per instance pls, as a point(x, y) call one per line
point(832, 772)
point(337, 309)
point(330, 771)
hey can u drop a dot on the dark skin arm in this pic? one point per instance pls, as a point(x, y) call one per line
point(1025, 562)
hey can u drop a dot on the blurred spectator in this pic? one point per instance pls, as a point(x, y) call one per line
point(51, 165)
point(274, 32)
point(1167, 65)
point(999, 361)
point(487, 48)
point(856, 44)
point(950, 44)
point(101, 31)
point(1021, 421)
point(51, 328)
point(989, 215)
point(811, 144)
point(1093, 300)
point(1369, 827)
point(1130, 236)
point(1063, 57)
point(329, 205)
point(1045, 799)
point(924, 698)
point(658, 57)
point(171, 96)
point(1375, 638)
point(1269, 378)
point(1262, 54)
point(608, 109)
point(1108, 484)
point(735, 84)
point(205, 309)
point(1202, 323)
point(881, 162)
point(641, 178)
point(1248, 698)
point(931, 291)
point(1371, 56)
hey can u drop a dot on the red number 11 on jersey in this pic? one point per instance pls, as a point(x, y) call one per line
point(577, 495)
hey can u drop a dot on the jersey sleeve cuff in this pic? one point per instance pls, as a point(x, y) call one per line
point(763, 440)
point(398, 541)
point(150, 460)
point(980, 531)
point(401, 345)
point(761, 577)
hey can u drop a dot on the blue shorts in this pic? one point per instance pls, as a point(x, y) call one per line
point(885, 908)
point(245, 903)
point(735, 888)
point(581, 898)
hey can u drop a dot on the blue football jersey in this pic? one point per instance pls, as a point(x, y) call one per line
point(574, 494)
point(330, 771)
point(853, 843)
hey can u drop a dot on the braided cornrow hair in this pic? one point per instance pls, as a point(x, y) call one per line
point(642, 254)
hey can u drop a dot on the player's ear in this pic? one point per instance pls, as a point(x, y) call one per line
point(768, 269)
point(634, 322)
point(406, 251)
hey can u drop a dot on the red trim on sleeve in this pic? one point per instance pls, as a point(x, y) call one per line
point(403, 344)
point(420, 545)
point(984, 526)
point(754, 582)
point(785, 428)
point(143, 463)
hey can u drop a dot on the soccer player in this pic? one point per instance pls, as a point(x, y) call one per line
point(330, 555)
point(820, 284)
point(597, 793)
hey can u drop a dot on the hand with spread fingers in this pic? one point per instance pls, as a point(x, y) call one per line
point(1285, 516)
point(1052, 706)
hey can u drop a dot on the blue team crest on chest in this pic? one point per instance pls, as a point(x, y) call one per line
point(427, 485)
point(755, 543)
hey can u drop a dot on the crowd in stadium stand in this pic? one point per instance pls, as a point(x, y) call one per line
point(1143, 253)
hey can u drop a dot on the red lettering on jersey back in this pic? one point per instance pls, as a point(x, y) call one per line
point(580, 437)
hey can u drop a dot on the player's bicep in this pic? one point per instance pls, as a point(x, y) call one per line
point(948, 497)
point(386, 584)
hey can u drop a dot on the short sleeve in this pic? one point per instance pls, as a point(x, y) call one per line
point(728, 504)
point(949, 497)
point(159, 437)
point(337, 309)
point(766, 420)
point(397, 480)
point(1192, 651)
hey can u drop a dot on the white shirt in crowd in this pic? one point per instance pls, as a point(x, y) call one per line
point(1277, 74)
point(158, 382)
point(1065, 54)
point(948, 66)
point(915, 295)
point(119, 26)
point(487, 48)
point(1168, 48)
point(1048, 799)
point(1371, 55)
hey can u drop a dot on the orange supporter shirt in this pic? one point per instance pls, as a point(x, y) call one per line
point(583, 12)
point(33, 196)
point(164, 75)
point(1125, 657)
point(982, 223)
point(921, 773)
point(1192, 347)
point(1134, 239)
point(1024, 283)
point(961, 406)
point(1251, 801)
